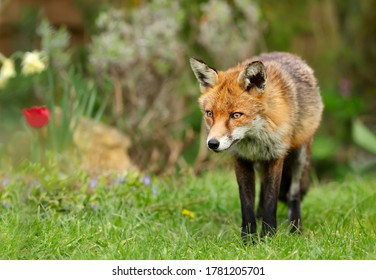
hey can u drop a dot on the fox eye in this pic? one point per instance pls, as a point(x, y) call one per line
point(209, 114)
point(236, 115)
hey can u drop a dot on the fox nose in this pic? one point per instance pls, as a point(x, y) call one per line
point(213, 144)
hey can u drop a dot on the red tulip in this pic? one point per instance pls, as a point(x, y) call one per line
point(36, 117)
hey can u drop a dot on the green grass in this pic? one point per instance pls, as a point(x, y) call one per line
point(47, 215)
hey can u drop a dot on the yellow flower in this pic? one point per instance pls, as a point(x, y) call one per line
point(188, 213)
point(33, 63)
point(7, 71)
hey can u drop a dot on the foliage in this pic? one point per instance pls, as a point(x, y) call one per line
point(146, 97)
point(234, 26)
point(357, 26)
point(365, 139)
point(55, 43)
point(135, 39)
point(47, 214)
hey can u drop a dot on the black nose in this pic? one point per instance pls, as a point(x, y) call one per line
point(213, 144)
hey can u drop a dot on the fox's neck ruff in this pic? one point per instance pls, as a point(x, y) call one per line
point(259, 144)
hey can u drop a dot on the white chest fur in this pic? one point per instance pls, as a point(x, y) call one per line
point(259, 144)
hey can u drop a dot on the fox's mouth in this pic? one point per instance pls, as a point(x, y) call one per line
point(219, 150)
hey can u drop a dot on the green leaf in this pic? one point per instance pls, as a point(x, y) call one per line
point(324, 147)
point(363, 137)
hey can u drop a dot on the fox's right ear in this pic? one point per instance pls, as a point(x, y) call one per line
point(206, 75)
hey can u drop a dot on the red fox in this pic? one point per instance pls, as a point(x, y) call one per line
point(265, 111)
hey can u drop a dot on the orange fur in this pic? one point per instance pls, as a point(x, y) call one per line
point(278, 104)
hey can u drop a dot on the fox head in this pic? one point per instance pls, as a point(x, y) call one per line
point(231, 101)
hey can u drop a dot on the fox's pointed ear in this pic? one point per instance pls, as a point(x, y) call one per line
point(206, 75)
point(253, 75)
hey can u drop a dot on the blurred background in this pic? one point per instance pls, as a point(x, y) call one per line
point(122, 96)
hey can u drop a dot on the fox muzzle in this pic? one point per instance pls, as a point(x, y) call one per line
point(213, 144)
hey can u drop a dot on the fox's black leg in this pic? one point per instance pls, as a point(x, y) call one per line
point(271, 180)
point(260, 208)
point(245, 176)
point(294, 214)
point(299, 181)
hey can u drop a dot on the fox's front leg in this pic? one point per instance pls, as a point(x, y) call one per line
point(245, 176)
point(271, 181)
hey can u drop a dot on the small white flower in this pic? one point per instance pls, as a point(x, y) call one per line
point(33, 63)
point(7, 70)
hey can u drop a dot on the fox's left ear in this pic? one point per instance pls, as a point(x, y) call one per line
point(253, 75)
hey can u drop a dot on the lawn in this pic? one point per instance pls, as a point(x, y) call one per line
point(46, 214)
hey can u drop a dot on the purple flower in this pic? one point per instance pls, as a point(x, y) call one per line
point(122, 180)
point(146, 180)
point(5, 182)
point(6, 204)
point(94, 206)
point(93, 183)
